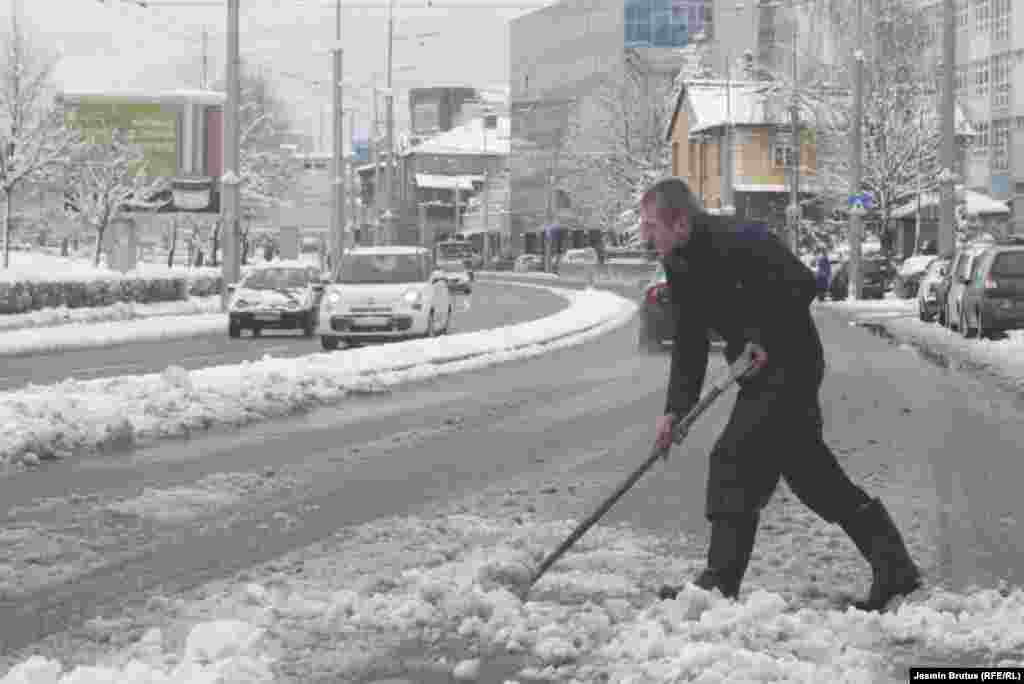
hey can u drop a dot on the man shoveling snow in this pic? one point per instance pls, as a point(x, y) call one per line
point(762, 296)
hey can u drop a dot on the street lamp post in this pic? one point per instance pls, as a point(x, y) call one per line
point(230, 181)
point(857, 217)
point(389, 179)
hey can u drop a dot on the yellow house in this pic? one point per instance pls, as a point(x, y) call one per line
point(764, 147)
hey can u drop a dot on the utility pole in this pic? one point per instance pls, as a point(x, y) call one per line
point(389, 179)
point(947, 223)
point(378, 238)
point(231, 202)
point(794, 119)
point(206, 63)
point(485, 194)
point(856, 216)
point(350, 176)
point(338, 145)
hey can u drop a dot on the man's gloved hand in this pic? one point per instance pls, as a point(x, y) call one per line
point(666, 434)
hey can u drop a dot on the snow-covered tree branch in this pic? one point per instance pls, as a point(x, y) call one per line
point(104, 180)
point(615, 147)
point(35, 143)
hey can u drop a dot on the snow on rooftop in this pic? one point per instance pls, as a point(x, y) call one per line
point(978, 204)
point(470, 138)
point(388, 249)
point(181, 95)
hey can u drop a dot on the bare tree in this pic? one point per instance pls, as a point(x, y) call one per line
point(268, 172)
point(616, 145)
point(35, 144)
point(105, 182)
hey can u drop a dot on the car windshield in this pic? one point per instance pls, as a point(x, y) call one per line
point(1009, 264)
point(276, 279)
point(381, 268)
point(454, 251)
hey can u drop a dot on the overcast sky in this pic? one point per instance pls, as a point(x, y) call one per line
point(118, 44)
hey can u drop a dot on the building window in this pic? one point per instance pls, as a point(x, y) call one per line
point(1020, 123)
point(981, 78)
point(1001, 80)
point(1001, 144)
point(962, 14)
point(981, 140)
point(982, 16)
point(1001, 10)
point(782, 156)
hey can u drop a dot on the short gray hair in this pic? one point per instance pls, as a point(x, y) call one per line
point(670, 197)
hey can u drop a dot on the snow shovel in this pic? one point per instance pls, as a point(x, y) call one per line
point(743, 367)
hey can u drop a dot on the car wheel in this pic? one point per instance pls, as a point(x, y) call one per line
point(309, 325)
point(920, 312)
point(985, 332)
point(234, 329)
point(941, 316)
point(965, 325)
point(328, 343)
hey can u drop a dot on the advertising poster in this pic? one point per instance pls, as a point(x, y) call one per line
point(154, 127)
point(215, 144)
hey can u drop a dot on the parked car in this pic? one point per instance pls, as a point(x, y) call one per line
point(959, 275)
point(657, 323)
point(528, 262)
point(584, 256)
point(457, 276)
point(277, 295)
point(928, 290)
point(908, 277)
point(993, 299)
point(503, 263)
point(384, 293)
point(874, 283)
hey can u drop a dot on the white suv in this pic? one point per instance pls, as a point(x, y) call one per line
point(384, 293)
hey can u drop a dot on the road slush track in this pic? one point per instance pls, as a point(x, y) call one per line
point(586, 409)
point(489, 306)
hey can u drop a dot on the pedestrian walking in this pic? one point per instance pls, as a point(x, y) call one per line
point(741, 281)
point(823, 274)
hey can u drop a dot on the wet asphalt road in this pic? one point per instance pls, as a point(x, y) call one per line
point(489, 306)
point(944, 441)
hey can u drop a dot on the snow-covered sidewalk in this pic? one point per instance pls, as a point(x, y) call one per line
point(1002, 358)
point(122, 311)
point(416, 597)
point(74, 416)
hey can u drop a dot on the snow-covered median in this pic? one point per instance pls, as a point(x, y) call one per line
point(110, 333)
point(36, 266)
point(121, 311)
point(57, 420)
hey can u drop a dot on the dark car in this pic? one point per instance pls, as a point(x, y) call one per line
point(875, 279)
point(278, 296)
point(993, 299)
point(657, 322)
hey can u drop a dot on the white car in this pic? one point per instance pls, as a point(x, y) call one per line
point(457, 275)
point(384, 293)
point(275, 295)
point(584, 256)
point(927, 292)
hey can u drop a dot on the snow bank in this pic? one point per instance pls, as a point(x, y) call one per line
point(115, 412)
point(37, 266)
point(217, 652)
point(121, 311)
point(889, 304)
point(593, 618)
point(114, 332)
point(1004, 357)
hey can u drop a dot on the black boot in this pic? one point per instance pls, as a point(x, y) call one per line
point(893, 572)
point(732, 541)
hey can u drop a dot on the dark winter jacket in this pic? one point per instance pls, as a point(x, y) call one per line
point(742, 282)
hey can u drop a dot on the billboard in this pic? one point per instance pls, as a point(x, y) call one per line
point(662, 23)
point(152, 126)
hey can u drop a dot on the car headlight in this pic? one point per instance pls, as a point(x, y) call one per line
point(413, 298)
point(333, 298)
point(242, 304)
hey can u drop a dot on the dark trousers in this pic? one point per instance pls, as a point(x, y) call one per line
point(773, 432)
